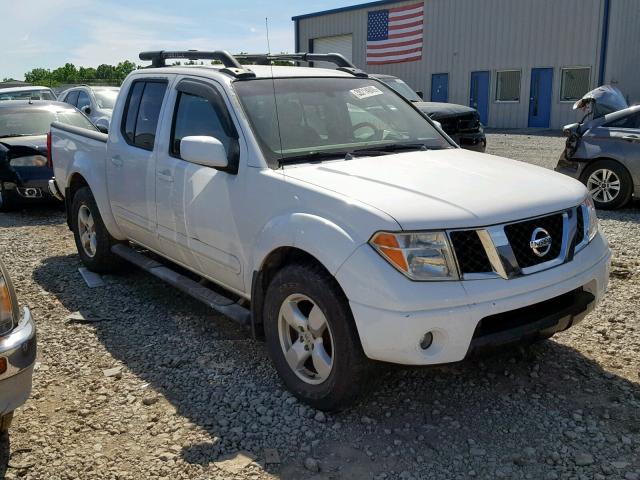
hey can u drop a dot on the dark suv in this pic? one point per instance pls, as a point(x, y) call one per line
point(461, 123)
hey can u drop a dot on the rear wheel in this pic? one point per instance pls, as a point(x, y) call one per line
point(92, 238)
point(609, 184)
point(312, 339)
point(5, 422)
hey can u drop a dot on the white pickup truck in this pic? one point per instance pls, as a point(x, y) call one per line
point(328, 214)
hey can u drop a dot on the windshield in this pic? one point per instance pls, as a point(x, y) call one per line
point(28, 95)
point(38, 121)
point(323, 117)
point(106, 99)
point(402, 88)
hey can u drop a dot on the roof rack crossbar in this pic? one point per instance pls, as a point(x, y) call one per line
point(232, 66)
point(337, 59)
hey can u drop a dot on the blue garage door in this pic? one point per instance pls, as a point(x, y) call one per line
point(440, 87)
point(540, 98)
point(479, 95)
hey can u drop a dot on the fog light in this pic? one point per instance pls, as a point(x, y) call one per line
point(426, 341)
point(3, 365)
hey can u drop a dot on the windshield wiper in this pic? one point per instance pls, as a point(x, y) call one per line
point(389, 148)
point(312, 157)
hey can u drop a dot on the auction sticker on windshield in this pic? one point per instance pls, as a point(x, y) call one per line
point(365, 92)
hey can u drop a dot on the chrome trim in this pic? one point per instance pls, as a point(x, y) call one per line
point(19, 346)
point(54, 190)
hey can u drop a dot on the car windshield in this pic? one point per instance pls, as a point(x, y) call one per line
point(38, 121)
point(318, 118)
point(106, 99)
point(28, 95)
point(402, 88)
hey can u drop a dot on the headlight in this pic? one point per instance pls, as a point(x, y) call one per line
point(6, 306)
point(592, 218)
point(30, 161)
point(420, 256)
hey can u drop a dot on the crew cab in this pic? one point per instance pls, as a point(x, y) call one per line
point(330, 215)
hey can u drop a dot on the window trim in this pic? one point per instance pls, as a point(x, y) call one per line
point(207, 91)
point(562, 69)
point(125, 111)
point(497, 75)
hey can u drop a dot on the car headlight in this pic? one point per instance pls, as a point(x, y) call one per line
point(29, 161)
point(424, 256)
point(6, 306)
point(592, 218)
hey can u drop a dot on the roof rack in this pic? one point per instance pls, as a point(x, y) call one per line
point(232, 66)
point(339, 60)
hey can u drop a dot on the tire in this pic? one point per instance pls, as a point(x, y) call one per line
point(301, 289)
point(85, 219)
point(602, 177)
point(6, 202)
point(5, 422)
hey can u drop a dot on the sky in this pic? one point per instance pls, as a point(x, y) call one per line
point(49, 33)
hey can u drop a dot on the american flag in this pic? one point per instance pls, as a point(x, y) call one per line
point(395, 35)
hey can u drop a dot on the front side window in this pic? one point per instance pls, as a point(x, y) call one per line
point(83, 100)
point(142, 111)
point(575, 83)
point(299, 118)
point(196, 116)
point(72, 98)
point(508, 86)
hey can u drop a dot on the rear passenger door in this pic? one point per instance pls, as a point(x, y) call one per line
point(131, 157)
point(196, 226)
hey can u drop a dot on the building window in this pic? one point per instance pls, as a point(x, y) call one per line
point(508, 86)
point(575, 83)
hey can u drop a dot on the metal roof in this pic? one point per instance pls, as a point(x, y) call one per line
point(345, 9)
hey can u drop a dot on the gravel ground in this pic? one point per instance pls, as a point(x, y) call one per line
point(151, 384)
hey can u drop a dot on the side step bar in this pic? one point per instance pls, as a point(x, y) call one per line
point(218, 302)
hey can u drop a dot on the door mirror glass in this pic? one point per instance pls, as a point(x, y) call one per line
point(103, 125)
point(202, 150)
point(86, 110)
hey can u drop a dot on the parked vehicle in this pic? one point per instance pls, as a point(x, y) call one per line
point(95, 102)
point(604, 151)
point(461, 123)
point(352, 239)
point(24, 169)
point(17, 351)
point(27, 93)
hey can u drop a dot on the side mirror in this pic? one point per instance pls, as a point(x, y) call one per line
point(103, 125)
point(420, 94)
point(86, 110)
point(207, 151)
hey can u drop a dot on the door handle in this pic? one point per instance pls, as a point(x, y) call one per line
point(164, 176)
point(116, 160)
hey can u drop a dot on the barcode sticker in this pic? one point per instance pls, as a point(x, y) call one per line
point(365, 92)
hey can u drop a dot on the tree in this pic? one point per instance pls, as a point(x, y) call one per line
point(38, 75)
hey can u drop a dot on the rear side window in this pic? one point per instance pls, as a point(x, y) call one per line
point(72, 98)
point(195, 115)
point(140, 119)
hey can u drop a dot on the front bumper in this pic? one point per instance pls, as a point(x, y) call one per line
point(393, 314)
point(471, 141)
point(571, 168)
point(19, 350)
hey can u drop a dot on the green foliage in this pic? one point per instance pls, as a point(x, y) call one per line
point(69, 74)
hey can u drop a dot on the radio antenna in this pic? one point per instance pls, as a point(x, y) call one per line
point(273, 82)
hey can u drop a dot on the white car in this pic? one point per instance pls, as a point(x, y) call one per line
point(353, 227)
point(95, 102)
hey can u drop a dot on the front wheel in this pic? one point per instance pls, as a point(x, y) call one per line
point(609, 184)
point(312, 339)
point(93, 241)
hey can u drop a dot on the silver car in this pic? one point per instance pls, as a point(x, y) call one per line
point(95, 102)
point(604, 154)
point(17, 352)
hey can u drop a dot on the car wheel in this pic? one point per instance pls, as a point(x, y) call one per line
point(92, 238)
point(5, 422)
point(609, 184)
point(312, 339)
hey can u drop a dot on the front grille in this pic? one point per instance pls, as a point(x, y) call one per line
point(467, 122)
point(471, 255)
point(519, 236)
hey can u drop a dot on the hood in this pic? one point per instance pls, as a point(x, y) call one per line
point(450, 188)
point(38, 142)
point(603, 100)
point(442, 110)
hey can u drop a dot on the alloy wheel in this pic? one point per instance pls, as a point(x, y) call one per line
point(306, 339)
point(604, 185)
point(87, 231)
